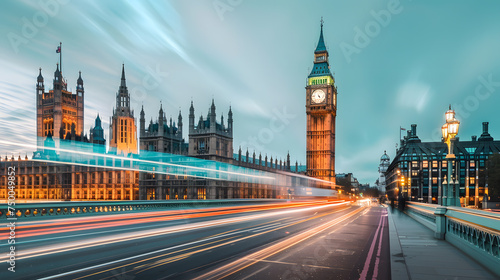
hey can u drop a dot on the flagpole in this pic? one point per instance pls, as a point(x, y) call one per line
point(60, 57)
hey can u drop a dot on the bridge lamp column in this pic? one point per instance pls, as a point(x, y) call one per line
point(449, 130)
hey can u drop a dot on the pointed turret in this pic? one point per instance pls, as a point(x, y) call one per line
point(98, 121)
point(39, 85)
point(97, 135)
point(161, 118)
point(79, 88)
point(230, 121)
point(201, 123)
point(57, 73)
point(80, 80)
point(142, 121)
point(321, 64)
point(321, 43)
point(179, 124)
point(212, 107)
point(40, 77)
point(58, 82)
point(212, 117)
point(288, 160)
point(123, 98)
point(123, 83)
point(191, 118)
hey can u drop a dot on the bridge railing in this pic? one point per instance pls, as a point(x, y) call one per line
point(83, 208)
point(475, 232)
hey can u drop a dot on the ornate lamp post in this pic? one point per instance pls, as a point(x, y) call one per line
point(398, 180)
point(449, 131)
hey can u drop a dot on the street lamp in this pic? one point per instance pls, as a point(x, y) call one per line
point(449, 131)
point(403, 188)
point(398, 181)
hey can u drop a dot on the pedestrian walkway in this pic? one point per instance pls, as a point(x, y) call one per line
point(416, 254)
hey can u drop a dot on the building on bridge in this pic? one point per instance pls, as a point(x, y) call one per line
point(418, 169)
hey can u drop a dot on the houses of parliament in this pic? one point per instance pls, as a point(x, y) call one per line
point(60, 125)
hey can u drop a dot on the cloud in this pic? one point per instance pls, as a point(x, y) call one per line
point(413, 94)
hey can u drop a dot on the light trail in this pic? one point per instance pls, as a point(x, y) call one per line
point(246, 172)
point(158, 163)
point(234, 232)
point(244, 262)
point(69, 246)
point(95, 223)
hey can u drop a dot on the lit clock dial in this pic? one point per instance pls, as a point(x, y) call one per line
point(318, 96)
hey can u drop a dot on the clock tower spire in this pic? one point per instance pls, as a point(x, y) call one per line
point(321, 110)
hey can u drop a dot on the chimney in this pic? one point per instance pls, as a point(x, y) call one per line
point(474, 138)
point(486, 135)
point(485, 127)
point(414, 130)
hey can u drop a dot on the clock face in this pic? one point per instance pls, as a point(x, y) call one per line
point(318, 96)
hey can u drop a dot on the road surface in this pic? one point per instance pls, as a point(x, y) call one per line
point(295, 240)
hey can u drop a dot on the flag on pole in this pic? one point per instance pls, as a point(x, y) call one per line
point(58, 49)
point(402, 128)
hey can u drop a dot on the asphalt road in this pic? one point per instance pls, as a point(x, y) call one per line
point(304, 240)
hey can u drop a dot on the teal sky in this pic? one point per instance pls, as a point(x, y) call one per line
point(255, 56)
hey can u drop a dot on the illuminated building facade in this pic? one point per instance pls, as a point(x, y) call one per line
point(59, 111)
point(418, 169)
point(321, 110)
point(39, 180)
point(123, 130)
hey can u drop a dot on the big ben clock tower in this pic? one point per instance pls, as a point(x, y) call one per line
point(321, 110)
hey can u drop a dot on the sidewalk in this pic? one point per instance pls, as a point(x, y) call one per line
point(416, 254)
